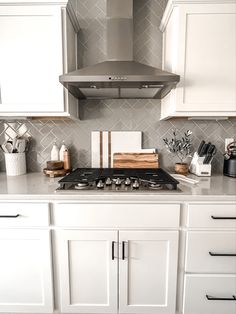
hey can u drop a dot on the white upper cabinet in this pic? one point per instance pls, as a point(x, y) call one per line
point(199, 44)
point(35, 40)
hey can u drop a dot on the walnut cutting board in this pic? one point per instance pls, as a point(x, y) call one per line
point(135, 160)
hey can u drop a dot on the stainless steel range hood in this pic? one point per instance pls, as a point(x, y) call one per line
point(120, 76)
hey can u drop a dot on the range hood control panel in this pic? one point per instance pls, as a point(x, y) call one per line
point(118, 78)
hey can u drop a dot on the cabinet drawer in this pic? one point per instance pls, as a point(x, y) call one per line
point(117, 215)
point(24, 214)
point(211, 252)
point(198, 288)
point(212, 215)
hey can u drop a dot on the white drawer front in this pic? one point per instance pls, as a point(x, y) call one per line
point(212, 215)
point(117, 215)
point(24, 214)
point(204, 251)
point(197, 288)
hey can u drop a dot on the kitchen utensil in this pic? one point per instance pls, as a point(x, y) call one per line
point(14, 142)
point(230, 160)
point(203, 150)
point(135, 160)
point(21, 145)
point(184, 178)
point(199, 151)
point(9, 147)
point(211, 151)
point(4, 148)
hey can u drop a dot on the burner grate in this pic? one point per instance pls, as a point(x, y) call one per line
point(89, 176)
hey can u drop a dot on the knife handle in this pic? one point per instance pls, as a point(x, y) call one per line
point(200, 147)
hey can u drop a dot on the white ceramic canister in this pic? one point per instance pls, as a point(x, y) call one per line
point(15, 164)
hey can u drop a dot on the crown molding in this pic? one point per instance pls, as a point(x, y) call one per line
point(72, 14)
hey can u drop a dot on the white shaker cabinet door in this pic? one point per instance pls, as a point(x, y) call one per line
point(25, 271)
point(209, 75)
point(87, 271)
point(200, 45)
point(30, 59)
point(148, 270)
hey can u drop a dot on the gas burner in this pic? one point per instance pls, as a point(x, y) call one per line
point(81, 185)
point(118, 179)
point(155, 186)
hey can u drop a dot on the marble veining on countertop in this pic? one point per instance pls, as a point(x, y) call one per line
point(36, 186)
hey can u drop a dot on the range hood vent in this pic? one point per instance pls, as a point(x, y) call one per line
point(119, 76)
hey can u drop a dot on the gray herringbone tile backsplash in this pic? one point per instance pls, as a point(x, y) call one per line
point(124, 115)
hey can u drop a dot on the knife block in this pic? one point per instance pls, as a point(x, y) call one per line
point(198, 168)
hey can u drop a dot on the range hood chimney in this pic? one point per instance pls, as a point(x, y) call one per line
point(119, 76)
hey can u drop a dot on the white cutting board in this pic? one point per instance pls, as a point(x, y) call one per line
point(120, 141)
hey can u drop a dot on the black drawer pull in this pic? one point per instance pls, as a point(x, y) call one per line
point(113, 250)
point(221, 254)
point(9, 216)
point(123, 250)
point(221, 299)
point(218, 217)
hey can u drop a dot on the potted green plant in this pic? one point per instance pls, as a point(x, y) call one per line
point(181, 147)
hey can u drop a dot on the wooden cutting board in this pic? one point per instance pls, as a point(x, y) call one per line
point(135, 160)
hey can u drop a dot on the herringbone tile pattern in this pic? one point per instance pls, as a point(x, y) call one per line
point(118, 115)
point(124, 115)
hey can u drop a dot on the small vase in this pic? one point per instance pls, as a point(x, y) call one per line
point(181, 168)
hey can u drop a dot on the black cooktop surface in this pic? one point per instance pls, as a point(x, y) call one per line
point(92, 176)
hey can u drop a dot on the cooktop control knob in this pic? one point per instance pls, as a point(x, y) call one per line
point(108, 181)
point(118, 182)
point(127, 181)
point(100, 184)
point(136, 184)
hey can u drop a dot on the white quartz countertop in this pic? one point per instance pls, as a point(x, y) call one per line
point(36, 186)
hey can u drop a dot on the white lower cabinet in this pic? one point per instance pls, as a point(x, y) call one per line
point(117, 271)
point(211, 252)
point(210, 294)
point(87, 271)
point(148, 271)
point(210, 259)
point(25, 271)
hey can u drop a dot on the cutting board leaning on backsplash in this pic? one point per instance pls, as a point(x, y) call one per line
point(105, 143)
point(135, 160)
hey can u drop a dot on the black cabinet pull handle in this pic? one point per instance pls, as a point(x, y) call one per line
point(221, 254)
point(220, 299)
point(218, 217)
point(113, 250)
point(9, 216)
point(123, 250)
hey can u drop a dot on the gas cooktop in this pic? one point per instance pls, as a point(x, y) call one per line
point(117, 179)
